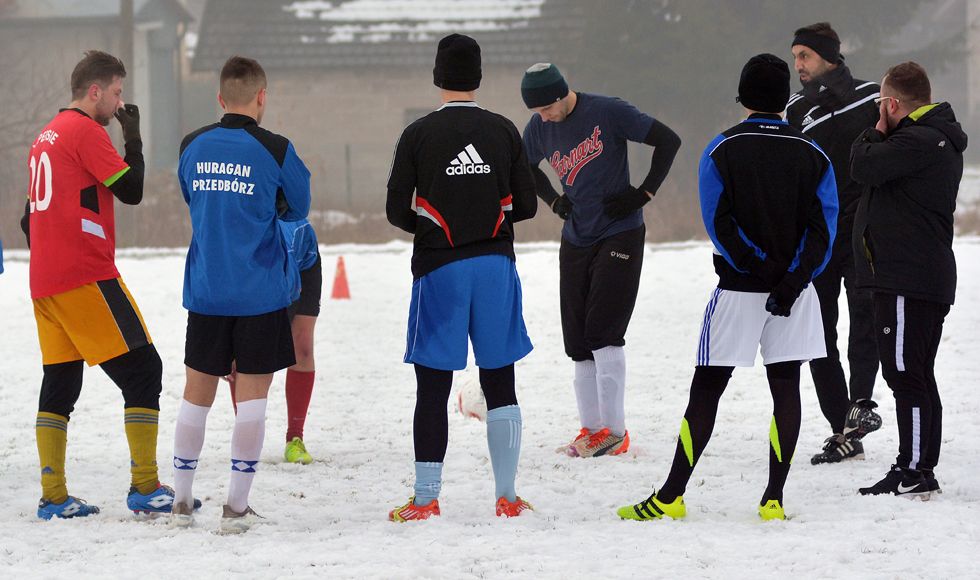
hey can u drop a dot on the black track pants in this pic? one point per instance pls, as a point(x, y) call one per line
point(862, 354)
point(909, 332)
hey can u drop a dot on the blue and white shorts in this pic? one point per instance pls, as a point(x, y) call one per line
point(479, 298)
point(736, 325)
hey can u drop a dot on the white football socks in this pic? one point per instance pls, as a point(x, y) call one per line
point(188, 442)
point(246, 447)
point(587, 396)
point(610, 364)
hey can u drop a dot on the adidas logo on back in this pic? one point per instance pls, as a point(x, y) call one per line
point(467, 162)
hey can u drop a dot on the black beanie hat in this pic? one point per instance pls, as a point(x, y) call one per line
point(457, 64)
point(825, 46)
point(764, 84)
point(542, 85)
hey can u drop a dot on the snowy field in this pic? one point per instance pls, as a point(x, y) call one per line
point(330, 517)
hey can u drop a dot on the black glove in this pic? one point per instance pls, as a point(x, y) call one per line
point(129, 117)
point(781, 299)
point(622, 205)
point(562, 207)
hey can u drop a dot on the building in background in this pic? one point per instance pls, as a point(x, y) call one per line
point(345, 78)
point(48, 37)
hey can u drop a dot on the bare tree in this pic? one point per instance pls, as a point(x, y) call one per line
point(29, 97)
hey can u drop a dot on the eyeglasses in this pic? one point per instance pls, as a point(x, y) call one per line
point(880, 99)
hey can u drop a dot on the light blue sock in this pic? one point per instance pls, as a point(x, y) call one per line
point(428, 482)
point(504, 440)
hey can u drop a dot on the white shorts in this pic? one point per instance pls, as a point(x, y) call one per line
point(736, 324)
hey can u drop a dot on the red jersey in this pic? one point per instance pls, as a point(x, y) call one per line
point(73, 228)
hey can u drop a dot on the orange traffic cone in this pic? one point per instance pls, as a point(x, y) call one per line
point(340, 289)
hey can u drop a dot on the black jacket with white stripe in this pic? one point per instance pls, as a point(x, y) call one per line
point(903, 242)
point(471, 180)
point(834, 128)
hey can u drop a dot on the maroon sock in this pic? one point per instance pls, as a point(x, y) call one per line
point(299, 391)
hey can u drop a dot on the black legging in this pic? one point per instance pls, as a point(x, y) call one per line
point(708, 385)
point(431, 425)
point(138, 374)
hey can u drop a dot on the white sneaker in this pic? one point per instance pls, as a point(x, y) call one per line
point(181, 516)
point(233, 522)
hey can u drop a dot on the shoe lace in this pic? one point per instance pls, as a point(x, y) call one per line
point(298, 446)
point(832, 442)
point(598, 439)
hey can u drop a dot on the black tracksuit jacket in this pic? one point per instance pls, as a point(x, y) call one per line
point(903, 234)
point(834, 130)
point(769, 204)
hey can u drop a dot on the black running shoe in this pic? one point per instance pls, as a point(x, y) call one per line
point(837, 448)
point(930, 477)
point(861, 419)
point(900, 481)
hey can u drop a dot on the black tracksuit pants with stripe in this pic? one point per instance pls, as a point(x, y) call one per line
point(908, 332)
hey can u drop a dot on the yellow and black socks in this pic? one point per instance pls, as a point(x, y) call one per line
point(141, 432)
point(707, 386)
point(784, 432)
point(52, 439)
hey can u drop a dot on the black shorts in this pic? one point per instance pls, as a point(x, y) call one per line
point(259, 345)
point(308, 303)
point(598, 286)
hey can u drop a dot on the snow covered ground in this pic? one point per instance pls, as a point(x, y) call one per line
point(330, 518)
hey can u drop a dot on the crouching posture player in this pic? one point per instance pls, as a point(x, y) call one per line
point(83, 309)
point(769, 203)
point(470, 176)
point(236, 178)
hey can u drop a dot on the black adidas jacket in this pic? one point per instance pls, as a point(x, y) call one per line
point(834, 128)
point(903, 235)
point(471, 181)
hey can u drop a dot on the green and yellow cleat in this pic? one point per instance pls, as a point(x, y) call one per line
point(772, 511)
point(296, 452)
point(653, 509)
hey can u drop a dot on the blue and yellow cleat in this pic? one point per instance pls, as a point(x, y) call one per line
point(70, 508)
point(653, 509)
point(772, 511)
point(159, 501)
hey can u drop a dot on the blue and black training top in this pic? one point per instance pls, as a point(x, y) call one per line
point(768, 200)
point(233, 175)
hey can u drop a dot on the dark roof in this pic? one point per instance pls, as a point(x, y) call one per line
point(354, 33)
point(56, 11)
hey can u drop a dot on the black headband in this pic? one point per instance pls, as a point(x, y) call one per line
point(826, 47)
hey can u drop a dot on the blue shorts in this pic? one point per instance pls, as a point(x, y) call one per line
point(478, 297)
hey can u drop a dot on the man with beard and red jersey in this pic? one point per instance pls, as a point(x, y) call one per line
point(83, 309)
